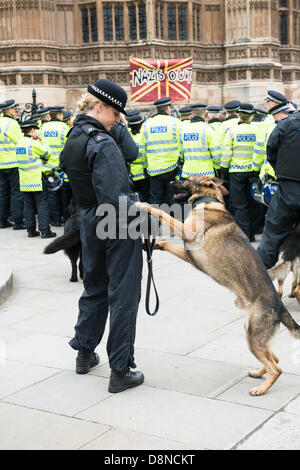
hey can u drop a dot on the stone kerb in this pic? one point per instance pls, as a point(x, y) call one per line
point(6, 281)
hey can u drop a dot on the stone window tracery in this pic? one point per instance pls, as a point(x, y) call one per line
point(89, 23)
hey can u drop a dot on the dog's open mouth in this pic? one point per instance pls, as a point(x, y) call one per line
point(182, 195)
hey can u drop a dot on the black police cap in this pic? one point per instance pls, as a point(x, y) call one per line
point(135, 119)
point(232, 105)
point(7, 105)
point(163, 101)
point(110, 93)
point(56, 109)
point(185, 110)
point(28, 124)
point(276, 97)
point(246, 108)
point(66, 115)
point(134, 112)
point(43, 111)
point(261, 111)
point(214, 109)
point(199, 106)
point(280, 108)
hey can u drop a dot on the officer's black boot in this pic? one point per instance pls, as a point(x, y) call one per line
point(19, 226)
point(33, 233)
point(120, 381)
point(85, 361)
point(48, 234)
point(5, 224)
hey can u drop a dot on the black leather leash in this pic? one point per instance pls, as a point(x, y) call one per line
point(149, 247)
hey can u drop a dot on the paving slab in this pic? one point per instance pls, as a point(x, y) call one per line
point(123, 439)
point(183, 374)
point(228, 348)
point(66, 393)
point(281, 432)
point(193, 353)
point(195, 421)
point(27, 429)
point(14, 376)
point(286, 388)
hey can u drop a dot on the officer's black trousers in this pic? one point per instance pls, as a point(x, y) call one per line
point(112, 282)
point(142, 187)
point(11, 198)
point(241, 201)
point(160, 191)
point(36, 201)
point(283, 213)
point(55, 206)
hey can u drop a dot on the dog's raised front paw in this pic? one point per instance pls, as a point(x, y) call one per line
point(143, 206)
point(159, 245)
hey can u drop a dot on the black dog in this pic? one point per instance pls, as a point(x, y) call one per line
point(70, 242)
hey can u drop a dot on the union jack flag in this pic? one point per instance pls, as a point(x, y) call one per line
point(154, 79)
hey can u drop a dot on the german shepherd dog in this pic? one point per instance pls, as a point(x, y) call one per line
point(70, 242)
point(222, 251)
point(289, 260)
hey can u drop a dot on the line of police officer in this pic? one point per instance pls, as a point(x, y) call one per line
point(28, 150)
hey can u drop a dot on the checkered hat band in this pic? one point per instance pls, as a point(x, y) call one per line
point(106, 95)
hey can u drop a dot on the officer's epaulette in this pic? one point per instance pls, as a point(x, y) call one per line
point(94, 132)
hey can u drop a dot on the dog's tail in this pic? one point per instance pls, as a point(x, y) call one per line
point(64, 242)
point(289, 323)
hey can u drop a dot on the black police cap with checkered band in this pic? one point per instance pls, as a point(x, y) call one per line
point(110, 93)
point(7, 105)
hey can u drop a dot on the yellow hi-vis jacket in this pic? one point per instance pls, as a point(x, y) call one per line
point(200, 149)
point(29, 152)
point(160, 143)
point(260, 162)
point(238, 147)
point(10, 133)
point(54, 135)
point(229, 123)
point(138, 166)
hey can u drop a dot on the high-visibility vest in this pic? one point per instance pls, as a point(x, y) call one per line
point(215, 125)
point(138, 166)
point(238, 147)
point(260, 148)
point(159, 143)
point(10, 133)
point(200, 149)
point(28, 154)
point(225, 125)
point(54, 135)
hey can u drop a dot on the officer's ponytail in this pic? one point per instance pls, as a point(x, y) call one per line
point(86, 103)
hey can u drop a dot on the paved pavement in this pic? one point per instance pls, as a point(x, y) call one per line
point(193, 354)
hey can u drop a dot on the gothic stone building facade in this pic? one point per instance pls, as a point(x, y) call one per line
point(240, 48)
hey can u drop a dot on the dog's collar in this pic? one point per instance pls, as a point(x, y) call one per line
point(204, 199)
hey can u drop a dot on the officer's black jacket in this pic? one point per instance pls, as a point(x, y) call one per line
point(94, 165)
point(283, 148)
point(126, 143)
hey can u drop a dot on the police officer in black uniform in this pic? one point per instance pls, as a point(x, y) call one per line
point(283, 150)
point(126, 143)
point(112, 266)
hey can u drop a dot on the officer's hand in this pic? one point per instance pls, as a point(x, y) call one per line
point(254, 177)
point(224, 173)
